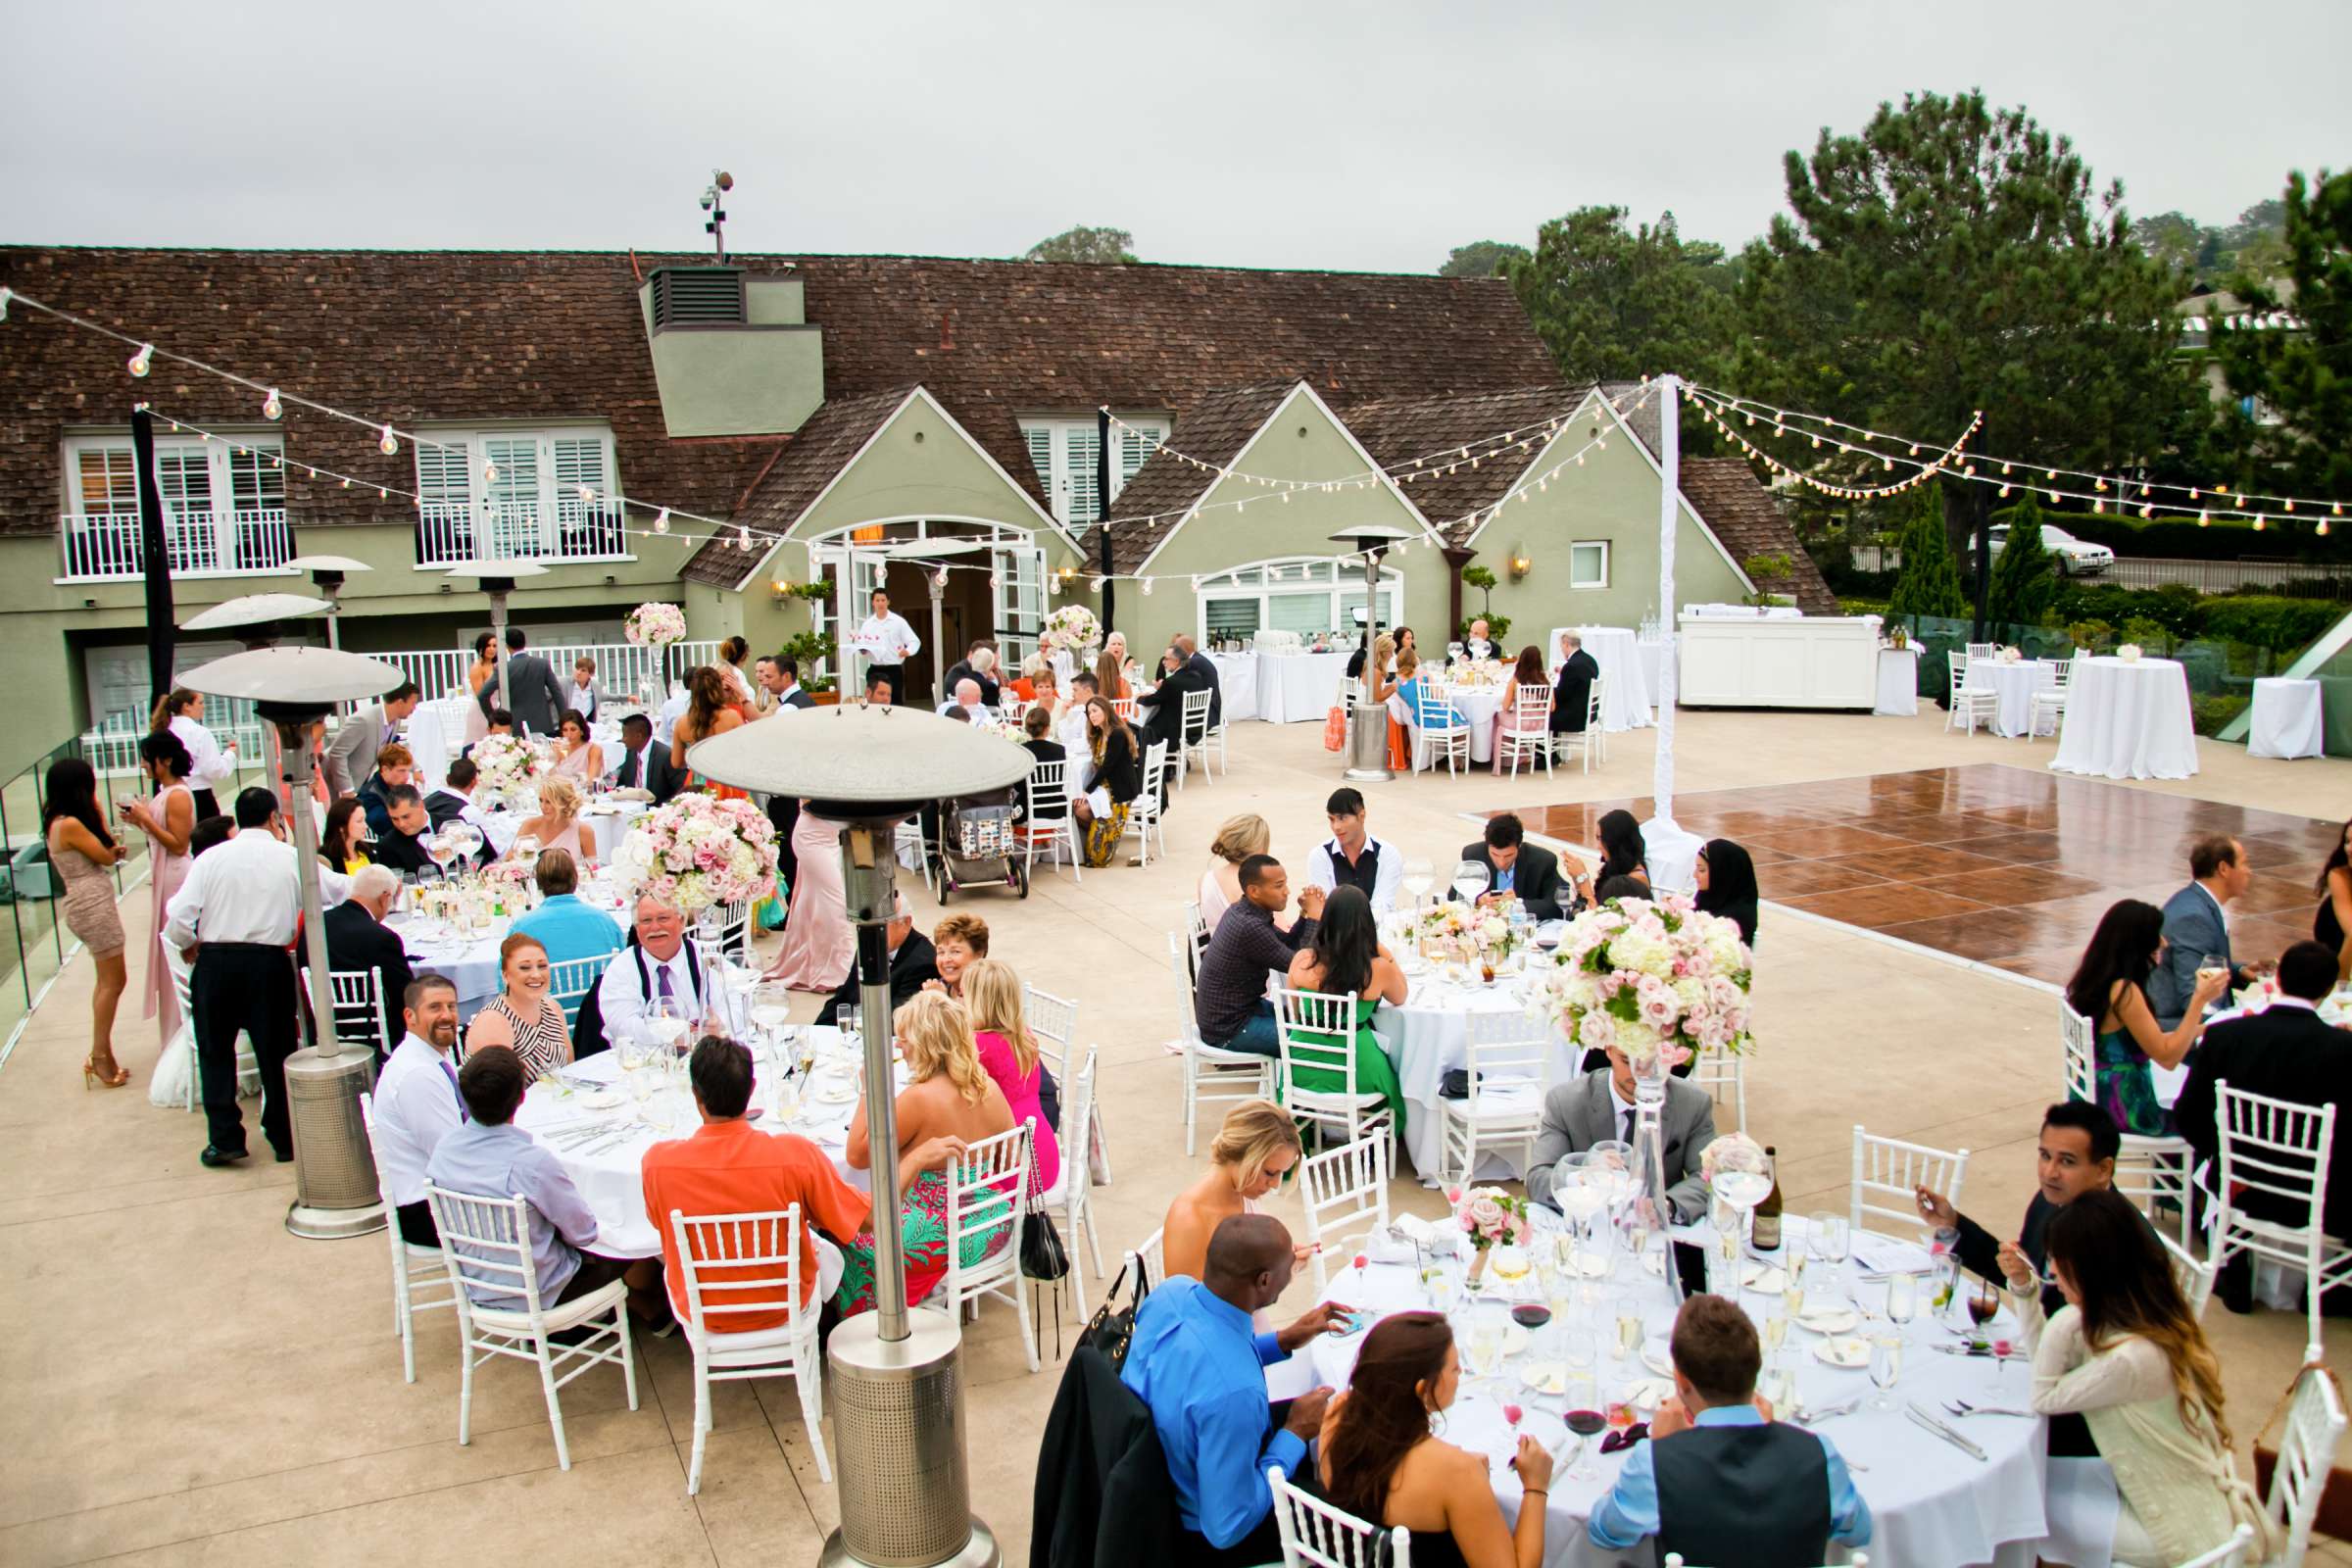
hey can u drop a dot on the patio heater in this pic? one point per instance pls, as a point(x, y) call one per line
point(258, 620)
point(1368, 720)
point(928, 551)
point(326, 575)
point(497, 580)
point(334, 1178)
point(894, 1374)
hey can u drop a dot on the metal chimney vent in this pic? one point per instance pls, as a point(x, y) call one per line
point(697, 296)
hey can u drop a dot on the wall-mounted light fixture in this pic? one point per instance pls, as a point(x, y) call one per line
point(1520, 564)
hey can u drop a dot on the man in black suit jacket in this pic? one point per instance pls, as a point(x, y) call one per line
point(913, 960)
point(535, 699)
point(357, 939)
point(1206, 668)
point(1572, 688)
point(645, 762)
point(453, 800)
point(2284, 1052)
point(401, 847)
point(979, 665)
point(1528, 873)
point(781, 675)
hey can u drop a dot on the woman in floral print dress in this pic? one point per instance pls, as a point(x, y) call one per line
point(950, 1102)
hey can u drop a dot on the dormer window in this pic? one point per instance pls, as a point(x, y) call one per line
point(1065, 452)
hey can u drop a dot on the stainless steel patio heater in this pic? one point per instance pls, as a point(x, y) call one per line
point(1368, 720)
point(895, 1374)
point(326, 575)
point(334, 1179)
point(497, 580)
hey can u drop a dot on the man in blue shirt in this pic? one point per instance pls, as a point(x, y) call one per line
point(1199, 1363)
point(1721, 1480)
point(564, 925)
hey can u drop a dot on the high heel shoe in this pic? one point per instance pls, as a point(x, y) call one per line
point(91, 1075)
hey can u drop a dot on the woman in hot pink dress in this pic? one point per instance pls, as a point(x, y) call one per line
point(819, 944)
point(992, 995)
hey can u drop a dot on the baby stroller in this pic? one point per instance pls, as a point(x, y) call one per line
point(975, 849)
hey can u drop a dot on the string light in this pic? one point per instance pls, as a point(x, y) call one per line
point(271, 408)
point(387, 443)
point(662, 520)
point(142, 359)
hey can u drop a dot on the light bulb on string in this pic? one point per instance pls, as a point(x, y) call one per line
point(489, 473)
point(387, 443)
point(662, 520)
point(2323, 528)
point(1146, 587)
point(142, 361)
point(271, 408)
point(742, 537)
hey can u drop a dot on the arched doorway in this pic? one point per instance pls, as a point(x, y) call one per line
point(995, 593)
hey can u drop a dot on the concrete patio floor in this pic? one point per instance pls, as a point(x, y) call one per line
point(191, 1385)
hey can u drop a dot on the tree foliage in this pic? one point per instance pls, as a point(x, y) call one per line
point(1480, 258)
point(1613, 303)
point(2024, 579)
point(1930, 584)
point(1953, 257)
point(2255, 243)
point(2304, 376)
point(1084, 244)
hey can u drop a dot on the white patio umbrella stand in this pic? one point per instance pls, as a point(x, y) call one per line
point(895, 1374)
point(334, 1177)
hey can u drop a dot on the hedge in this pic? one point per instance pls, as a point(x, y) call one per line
point(2257, 620)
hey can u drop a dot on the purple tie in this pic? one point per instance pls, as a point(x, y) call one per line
point(667, 992)
point(450, 1073)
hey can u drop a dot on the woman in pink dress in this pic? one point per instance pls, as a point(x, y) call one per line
point(557, 824)
point(477, 722)
point(577, 757)
point(818, 944)
point(992, 995)
point(166, 821)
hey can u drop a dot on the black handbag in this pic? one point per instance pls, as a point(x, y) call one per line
point(1042, 1256)
point(1455, 1084)
point(1111, 1329)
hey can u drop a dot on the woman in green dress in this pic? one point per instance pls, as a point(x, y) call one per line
point(1346, 956)
point(2110, 988)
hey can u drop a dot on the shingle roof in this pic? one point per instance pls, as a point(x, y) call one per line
point(810, 461)
point(460, 336)
point(1395, 431)
point(1214, 429)
point(1741, 512)
point(402, 335)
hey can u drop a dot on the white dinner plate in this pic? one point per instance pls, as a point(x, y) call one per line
point(1769, 1278)
point(602, 1099)
point(1514, 1339)
point(1545, 1377)
point(1838, 1320)
point(1658, 1357)
point(1647, 1394)
point(1849, 1352)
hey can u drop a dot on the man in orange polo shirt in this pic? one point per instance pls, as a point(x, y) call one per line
point(729, 1166)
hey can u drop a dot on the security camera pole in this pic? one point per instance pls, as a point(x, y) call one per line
point(720, 183)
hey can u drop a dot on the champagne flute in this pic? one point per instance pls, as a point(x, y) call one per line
point(1776, 1325)
point(1778, 1384)
point(1886, 1366)
point(1628, 1327)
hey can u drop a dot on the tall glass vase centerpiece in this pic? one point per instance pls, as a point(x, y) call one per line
point(1652, 982)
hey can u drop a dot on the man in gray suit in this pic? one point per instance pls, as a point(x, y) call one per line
point(536, 699)
point(2196, 925)
point(1600, 1106)
point(351, 754)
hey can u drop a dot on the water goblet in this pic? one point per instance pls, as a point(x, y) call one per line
point(1886, 1365)
point(1829, 1236)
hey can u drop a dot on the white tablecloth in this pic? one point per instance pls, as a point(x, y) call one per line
point(1932, 1507)
point(1651, 652)
point(1626, 702)
point(1482, 705)
point(1425, 1039)
point(609, 1172)
point(2287, 720)
point(2013, 687)
point(435, 734)
point(1898, 680)
point(1237, 685)
point(1298, 688)
point(610, 825)
point(471, 964)
point(2128, 720)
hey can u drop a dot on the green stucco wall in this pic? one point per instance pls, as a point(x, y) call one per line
point(921, 465)
point(757, 379)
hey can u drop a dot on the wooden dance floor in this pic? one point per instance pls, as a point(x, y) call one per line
point(2008, 866)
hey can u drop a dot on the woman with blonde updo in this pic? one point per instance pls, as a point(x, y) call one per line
point(1221, 884)
point(1255, 1151)
point(557, 824)
point(950, 1102)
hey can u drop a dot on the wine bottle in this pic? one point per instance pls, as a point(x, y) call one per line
point(1767, 1236)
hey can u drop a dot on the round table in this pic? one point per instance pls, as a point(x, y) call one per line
point(1427, 1038)
point(1237, 685)
point(1626, 701)
point(2288, 719)
point(1931, 1504)
point(471, 963)
point(2012, 686)
point(1297, 688)
point(1482, 705)
point(2128, 718)
point(590, 1114)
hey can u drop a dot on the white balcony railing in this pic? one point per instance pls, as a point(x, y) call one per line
point(448, 533)
point(100, 546)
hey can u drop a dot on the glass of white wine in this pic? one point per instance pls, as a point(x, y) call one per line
point(1776, 1324)
point(1489, 1324)
point(1628, 1327)
point(1778, 1384)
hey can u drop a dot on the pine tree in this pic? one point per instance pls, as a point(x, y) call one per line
point(1930, 584)
point(2023, 580)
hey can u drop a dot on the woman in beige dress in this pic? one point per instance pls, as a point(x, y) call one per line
point(168, 820)
point(577, 757)
point(83, 854)
point(557, 826)
point(484, 665)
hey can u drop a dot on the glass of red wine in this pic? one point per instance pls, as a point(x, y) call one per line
point(1584, 1416)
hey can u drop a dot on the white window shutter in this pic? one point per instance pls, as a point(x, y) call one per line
point(1082, 447)
point(1041, 454)
point(1136, 446)
point(110, 481)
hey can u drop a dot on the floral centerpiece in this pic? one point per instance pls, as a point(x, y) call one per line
point(1490, 1217)
point(1069, 629)
point(1452, 929)
point(1734, 1152)
point(506, 763)
point(2128, 652)
point(1656, 980)
point(654, 626)
point(2012, 656)
point(701, 850)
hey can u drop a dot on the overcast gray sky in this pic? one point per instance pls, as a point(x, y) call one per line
point(1372, 135)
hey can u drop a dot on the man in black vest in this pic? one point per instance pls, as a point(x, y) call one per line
point(1720, 1481)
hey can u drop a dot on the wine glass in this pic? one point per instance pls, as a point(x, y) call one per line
point(1419, 877)
point(466, 838)
point(1489, 1323)
point(443, 849)
point(1778, 1384)
point(1776, 1324)
point(771, 1007)
point(1470, 880)
point(1886, 1365)
point(1628, 1327)
point(526, 851)
point(1828, 1236)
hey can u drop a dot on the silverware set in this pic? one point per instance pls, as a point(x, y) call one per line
point(1921, 1417)
point(1963, 1407)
